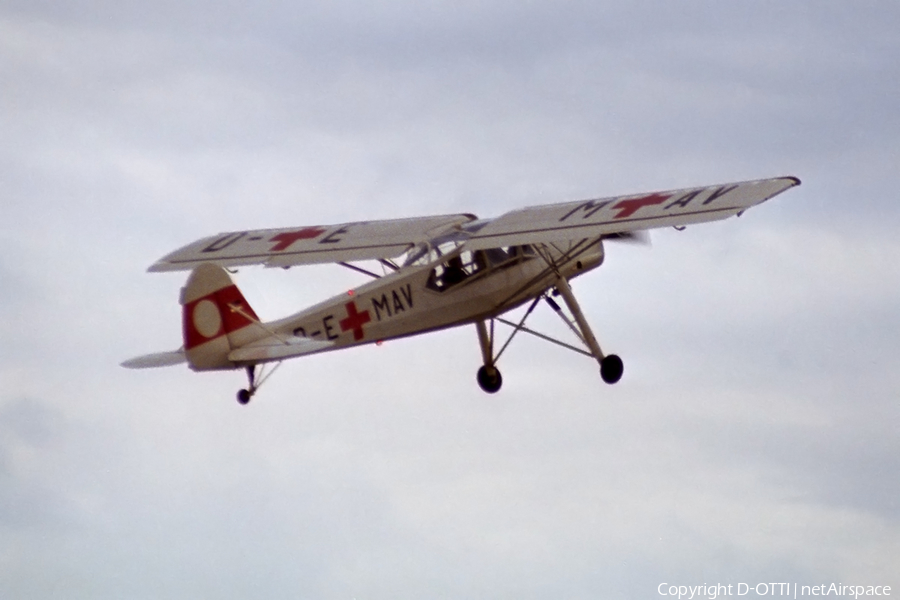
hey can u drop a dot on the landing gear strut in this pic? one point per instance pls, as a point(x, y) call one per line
point(488, 377)
point(243, 396)
point(611, 366)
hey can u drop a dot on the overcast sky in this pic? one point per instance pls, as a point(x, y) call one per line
point(753, 438)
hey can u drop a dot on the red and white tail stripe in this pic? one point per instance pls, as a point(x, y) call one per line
point(214, 310)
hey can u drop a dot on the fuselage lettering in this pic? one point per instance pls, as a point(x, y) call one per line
point(399, 300)
point(398, 306)
point(381, 304)
point(329, 328)
point(407, 294)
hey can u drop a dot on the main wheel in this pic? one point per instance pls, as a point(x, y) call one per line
point(243, 396)
point(611, 368)
point(489, 379)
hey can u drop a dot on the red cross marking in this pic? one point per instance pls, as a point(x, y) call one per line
point(629, 207)
point(355, 321)
point(286, 238)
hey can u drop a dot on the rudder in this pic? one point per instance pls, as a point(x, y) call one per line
point(215, 316)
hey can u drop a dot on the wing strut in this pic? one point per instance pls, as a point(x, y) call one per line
point(360, 270)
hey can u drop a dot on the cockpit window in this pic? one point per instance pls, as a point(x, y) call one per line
point(456, 270)
point(467, 264)
point(499, 256)
point(425, 254)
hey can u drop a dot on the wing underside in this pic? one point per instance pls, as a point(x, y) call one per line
point(622, 214)
point(368, 240)
point(310, 245)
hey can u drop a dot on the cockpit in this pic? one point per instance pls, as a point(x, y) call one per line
point(452, 267)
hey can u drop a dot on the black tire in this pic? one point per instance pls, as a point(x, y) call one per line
point(611, 369)
point(490, 382)
point(243, 396)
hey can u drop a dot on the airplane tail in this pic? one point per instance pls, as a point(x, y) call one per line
point(215, 317)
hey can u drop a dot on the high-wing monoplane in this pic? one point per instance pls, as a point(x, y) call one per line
point(437, 272)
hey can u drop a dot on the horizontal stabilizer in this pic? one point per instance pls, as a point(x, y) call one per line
point(159, 359)
point(273, 348)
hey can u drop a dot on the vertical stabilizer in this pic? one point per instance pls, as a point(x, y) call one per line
point(215, 318)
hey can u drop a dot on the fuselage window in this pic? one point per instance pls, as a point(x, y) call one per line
point(467, 264)
point(456, 270)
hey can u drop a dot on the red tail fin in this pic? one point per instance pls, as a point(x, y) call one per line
point(214, 310)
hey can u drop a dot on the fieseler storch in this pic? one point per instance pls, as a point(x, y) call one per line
point(437, 272)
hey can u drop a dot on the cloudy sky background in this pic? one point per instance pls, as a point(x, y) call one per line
point(753, 438)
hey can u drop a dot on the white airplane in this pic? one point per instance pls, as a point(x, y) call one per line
point(456, 270)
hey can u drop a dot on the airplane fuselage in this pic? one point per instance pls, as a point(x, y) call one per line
point(429, 295)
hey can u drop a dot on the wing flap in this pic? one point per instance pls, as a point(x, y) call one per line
point(620, 214)
point(309, 245)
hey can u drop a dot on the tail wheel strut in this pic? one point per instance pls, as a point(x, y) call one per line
point(244, 395)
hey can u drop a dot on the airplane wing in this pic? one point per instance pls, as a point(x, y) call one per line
point(621, 214)
point(310, 245)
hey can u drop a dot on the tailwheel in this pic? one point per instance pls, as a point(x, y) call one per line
point(489, 379)
point(254, 381)
point(611, 368)
point(243, 396)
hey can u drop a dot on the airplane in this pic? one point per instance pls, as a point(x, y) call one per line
point(437, 272)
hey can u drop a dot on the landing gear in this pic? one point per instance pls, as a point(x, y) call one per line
point(243, 396)
point(489, 379)
point(611, 368)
